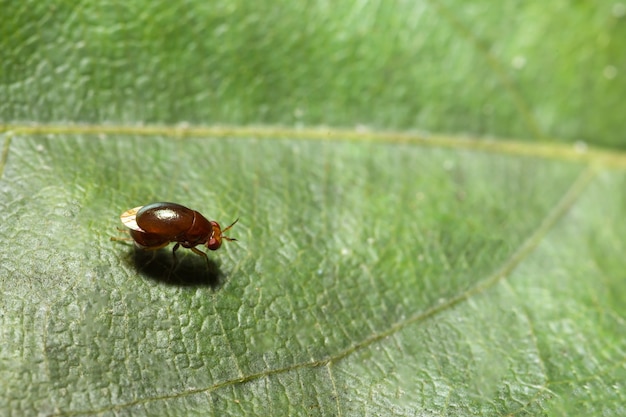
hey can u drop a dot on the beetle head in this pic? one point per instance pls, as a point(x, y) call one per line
point(215, 241)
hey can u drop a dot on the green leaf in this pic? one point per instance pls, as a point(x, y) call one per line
point(377, 271)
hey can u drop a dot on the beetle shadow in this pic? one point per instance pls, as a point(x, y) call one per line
point(188, 271)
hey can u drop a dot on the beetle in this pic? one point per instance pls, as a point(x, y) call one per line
point(156, 225)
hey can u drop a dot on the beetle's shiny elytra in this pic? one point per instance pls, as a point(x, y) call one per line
point(156, 225)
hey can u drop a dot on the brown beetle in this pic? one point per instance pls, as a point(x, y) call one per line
point(156, 225)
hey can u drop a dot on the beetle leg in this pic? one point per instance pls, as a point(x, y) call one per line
point(206, 258)
point(122, 239)
point(169, 274)
point(176, 246)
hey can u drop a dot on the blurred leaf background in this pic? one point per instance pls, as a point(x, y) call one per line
point(387, 264)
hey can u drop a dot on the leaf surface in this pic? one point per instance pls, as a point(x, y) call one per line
point(377, 271)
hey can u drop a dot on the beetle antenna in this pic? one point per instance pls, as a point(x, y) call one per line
point(230, 239)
